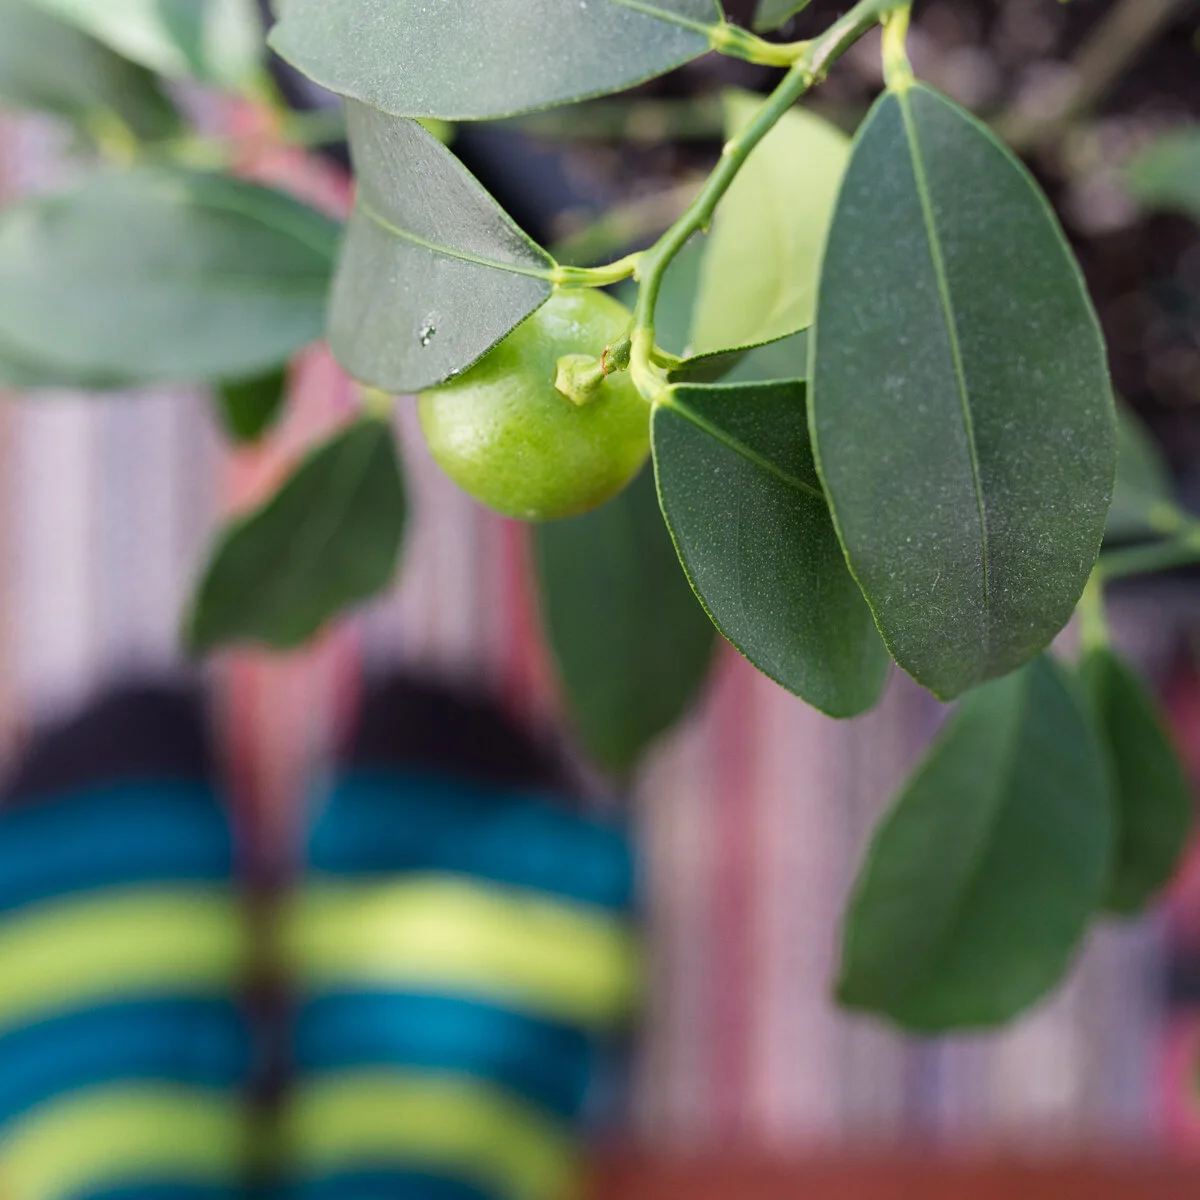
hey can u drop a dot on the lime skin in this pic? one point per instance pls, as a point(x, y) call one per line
point(505, 434)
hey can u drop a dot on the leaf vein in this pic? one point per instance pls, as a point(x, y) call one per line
point(544, 273)
point(740, 448)
point(943, 283)
point(650, 9)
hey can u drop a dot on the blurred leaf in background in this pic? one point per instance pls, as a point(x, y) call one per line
point(982, 880)
point(1144, 496)
point(52, 67)
point(249, 407)
point(1153, 799)
point(329, 538)
point(158, 274)
point(220, 42)
point(630, 639)
point(1166, 175)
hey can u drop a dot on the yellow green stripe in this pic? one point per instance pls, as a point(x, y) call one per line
point(72, 953)
point(557, 960)
point(384, 1120)
point(123, 1136)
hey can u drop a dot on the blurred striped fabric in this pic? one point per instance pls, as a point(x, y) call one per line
point(461, 957)
point(125, 1056)
point(752, 816)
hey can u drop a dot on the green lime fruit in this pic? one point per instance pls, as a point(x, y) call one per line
point(504, 433)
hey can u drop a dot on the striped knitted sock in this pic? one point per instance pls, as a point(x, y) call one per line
point(122, 1050)
point(462, 949)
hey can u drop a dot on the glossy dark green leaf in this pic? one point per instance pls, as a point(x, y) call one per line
point(460, 60)
point(631, 643)
point(961, 408)
point(744, 505)
point(772, 14)
point(215, 41)
point(761, 264)
point(433, 272)
point(981, 881)
point(50, 66)
point(249, 407)
point(327, 540)
point(1144, 497)
point(1166, 174)
point(160, 274)
point(1154, 807)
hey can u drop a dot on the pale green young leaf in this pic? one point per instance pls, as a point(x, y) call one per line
point(433, 272)
point(158, 274)
point(761, 266)
point(961, 406)
point(216, 41)
point(631, 643)
point(463, 59)
point(1144, 496)
point(1155, 812)
point(1166, 175)
point(51, 66)
point(745, 508)
point(328, 539)
point(772, 14)
point(784, 358)
point(982, 880)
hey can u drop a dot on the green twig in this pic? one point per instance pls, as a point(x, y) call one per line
point(1093, 615)
point(1181, 551)
point(604, 276)
point(897, 69)
point(809, 62)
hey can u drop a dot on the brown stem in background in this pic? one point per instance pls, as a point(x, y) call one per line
point(1125, 32)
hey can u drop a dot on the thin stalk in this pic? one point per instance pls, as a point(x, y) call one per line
point(897, 69)
point(1093, 616)
point(604, 276)
point(812, 59)
point(1182, 551)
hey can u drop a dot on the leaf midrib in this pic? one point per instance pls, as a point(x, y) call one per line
point(943, 283)
point(982, 851)
point(543, 273)
point(739, 448)
point(649, 9)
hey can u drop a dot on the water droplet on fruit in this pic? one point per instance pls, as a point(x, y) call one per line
point(427, 334)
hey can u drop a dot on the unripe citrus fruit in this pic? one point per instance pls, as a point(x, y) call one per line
point(505, 434)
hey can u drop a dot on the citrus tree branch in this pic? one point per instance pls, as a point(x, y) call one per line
point(809, 62)
point(1093, 616)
